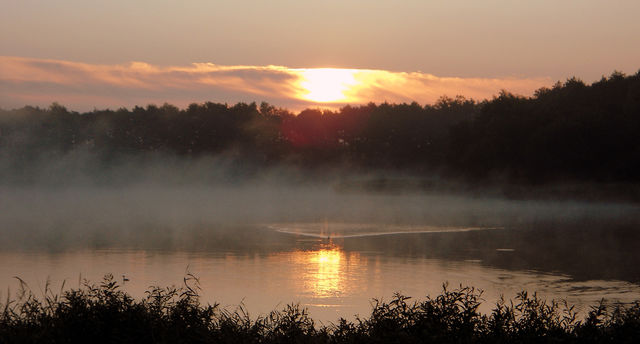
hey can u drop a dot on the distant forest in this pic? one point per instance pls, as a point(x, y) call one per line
point(571, 131)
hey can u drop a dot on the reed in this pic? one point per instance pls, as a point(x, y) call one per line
point(103, 313)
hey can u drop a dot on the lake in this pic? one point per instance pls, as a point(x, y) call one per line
point(329, 251)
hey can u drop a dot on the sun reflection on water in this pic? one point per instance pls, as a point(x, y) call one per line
point(327, 279)
point(326, 270)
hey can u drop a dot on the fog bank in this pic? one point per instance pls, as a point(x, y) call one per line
point(163, 202)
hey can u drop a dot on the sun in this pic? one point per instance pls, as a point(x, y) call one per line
point(326, 85)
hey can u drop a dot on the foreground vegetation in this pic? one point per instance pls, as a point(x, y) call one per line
point(571, 131)
point(105, 314)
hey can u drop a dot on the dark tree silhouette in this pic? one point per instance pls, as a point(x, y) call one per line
point(571, 131)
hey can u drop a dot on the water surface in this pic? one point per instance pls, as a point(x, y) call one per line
point(336, 268)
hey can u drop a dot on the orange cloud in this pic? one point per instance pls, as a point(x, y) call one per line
point(83, 86)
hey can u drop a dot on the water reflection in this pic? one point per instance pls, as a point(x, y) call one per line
point(337, 275)
point(325, 270)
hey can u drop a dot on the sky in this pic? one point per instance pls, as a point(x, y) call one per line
point(296, 54)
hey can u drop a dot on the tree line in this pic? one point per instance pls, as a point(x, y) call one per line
point(570, 131)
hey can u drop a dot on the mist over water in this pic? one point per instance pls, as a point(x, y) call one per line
point(279, 235)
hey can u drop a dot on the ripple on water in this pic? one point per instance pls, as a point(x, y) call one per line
point(355, 230)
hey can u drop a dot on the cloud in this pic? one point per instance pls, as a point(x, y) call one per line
point(83, 86)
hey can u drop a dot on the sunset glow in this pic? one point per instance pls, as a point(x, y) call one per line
point(327, 85)
point(84, 86)
point(319, 171)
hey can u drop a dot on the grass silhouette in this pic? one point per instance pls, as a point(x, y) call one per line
point(103, 313)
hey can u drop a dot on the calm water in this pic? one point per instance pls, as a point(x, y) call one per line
point(268, 244)
point(335, 268)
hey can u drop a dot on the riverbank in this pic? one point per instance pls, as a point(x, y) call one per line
point(103, 313)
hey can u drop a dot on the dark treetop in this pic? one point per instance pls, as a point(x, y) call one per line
point(572, 131)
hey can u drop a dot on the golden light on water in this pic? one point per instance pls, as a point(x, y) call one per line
point(326, 272)
point(327, 85)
